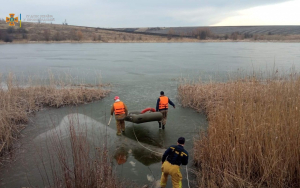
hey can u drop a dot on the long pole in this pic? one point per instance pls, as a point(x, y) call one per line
point(109, 120)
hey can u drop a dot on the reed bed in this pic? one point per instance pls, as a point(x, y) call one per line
point(79, 159)
point(253, 134)
point(19, 99)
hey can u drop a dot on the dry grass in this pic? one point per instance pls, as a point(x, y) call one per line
point(253, 135)
point(34, 32)
point(18, 102)
point(76, 162)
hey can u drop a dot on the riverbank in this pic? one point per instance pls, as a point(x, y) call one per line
point(42, 32)
point(19, 100)
point(173, 41)
point(54, 33)
point(253, 134)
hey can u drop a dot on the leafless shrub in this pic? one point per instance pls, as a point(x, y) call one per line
point(73, 35)
point(94, 37)
point(46, 34)
point(201, 33)
point(170, 34)
point(57, 36)
point(234, 35)
point(79, 35)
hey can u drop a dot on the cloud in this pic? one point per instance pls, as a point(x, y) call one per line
point(278, 14)
point(135, 13)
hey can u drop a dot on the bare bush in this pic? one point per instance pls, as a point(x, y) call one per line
point(170, 34)
point(73, 35)
point(10, 30)
point(46, 34)
point(234, 35)
point(57, 36)
point(94, 37)
point(79, 35)
point(7, 38)
point(201, 33)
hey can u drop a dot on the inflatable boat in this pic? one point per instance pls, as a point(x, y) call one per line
point(146, 115)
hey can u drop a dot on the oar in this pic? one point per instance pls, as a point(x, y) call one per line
point(109, 120)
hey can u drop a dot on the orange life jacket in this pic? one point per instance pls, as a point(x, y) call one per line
point(119, 108)
point(163, 102)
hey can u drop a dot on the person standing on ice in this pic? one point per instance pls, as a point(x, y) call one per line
point(173, 157)
point(162, 106)
point(121, 111)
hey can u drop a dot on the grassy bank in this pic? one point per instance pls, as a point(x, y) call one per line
point(57, 33)
point(31, 32)
point(19, 100)
point(253, 134)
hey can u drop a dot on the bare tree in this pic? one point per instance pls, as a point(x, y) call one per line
point(73, 35)
point(79, 35)
point(94, 37)
point(171, 32)
point(201, 33)
point(234, 35)
point(57, 36)
point(46, 34)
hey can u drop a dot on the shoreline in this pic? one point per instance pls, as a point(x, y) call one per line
point(200, 41)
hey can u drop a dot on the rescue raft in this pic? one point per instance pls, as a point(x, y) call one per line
point(146, 115)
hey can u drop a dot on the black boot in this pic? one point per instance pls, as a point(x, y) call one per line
point(159, 123)
point(163, 127)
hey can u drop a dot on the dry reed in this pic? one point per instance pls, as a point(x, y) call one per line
point(253, 134)
point(77, 162)
point(18, 101)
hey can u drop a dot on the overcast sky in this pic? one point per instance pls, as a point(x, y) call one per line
point(159, 13)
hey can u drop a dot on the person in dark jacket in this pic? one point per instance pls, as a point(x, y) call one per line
point(173, 157)
point(162, 106)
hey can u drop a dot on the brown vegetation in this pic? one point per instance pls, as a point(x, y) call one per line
point(39, 32)
point(253, 134)
point(18, 100)
point(68, 33)
point(202, 33)
point(75, 162)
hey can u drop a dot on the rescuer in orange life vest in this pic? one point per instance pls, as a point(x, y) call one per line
point(120, 110)
point(162, 106)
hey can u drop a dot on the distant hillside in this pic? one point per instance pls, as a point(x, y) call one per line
point(224, 33)
point(43, 32)
point(219, 30)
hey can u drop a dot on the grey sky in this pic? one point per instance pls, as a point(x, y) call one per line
point(133, 13)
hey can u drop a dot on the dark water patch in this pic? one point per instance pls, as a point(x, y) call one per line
point(122, 61)
point(70, 59)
